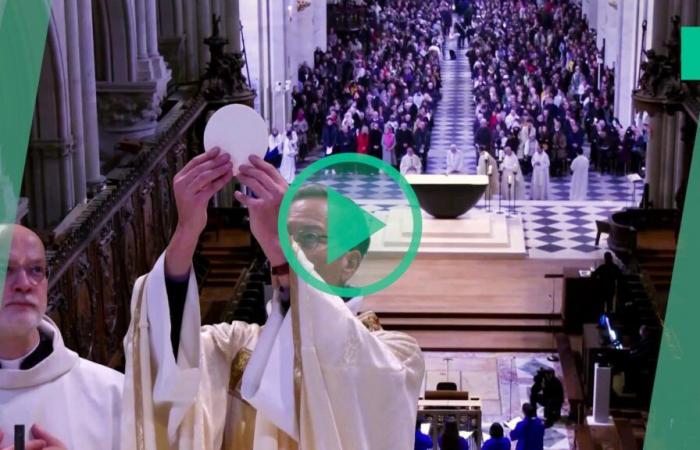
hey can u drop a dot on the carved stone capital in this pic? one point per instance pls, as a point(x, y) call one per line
point(128, 107)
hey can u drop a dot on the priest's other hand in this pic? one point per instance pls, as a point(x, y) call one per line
point(52, 442)
point(269, 187)
point(193, 187)
point(42, 441)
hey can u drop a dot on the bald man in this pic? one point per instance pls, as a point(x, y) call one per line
point(63, 401)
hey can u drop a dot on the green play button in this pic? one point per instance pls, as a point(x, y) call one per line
point(348, 225)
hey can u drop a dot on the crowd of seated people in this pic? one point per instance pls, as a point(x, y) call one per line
point(375, 92)
point(538, 83)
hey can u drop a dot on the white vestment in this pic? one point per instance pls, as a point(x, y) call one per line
point(358, 389)
point(455, 161)
point(288, 166)
point(72, 398)
point(512, 180)
point(410, 164)
point(579, 178)
point(540, 176)
point(487, 164)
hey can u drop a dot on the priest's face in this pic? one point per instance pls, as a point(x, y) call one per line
point(25, 289)
point(308, 225)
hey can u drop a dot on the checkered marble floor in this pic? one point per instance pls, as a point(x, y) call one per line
point(514, 373)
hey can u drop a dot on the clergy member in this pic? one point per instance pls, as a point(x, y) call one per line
point(455, 160)
point(488, 166)
point(410, 163)
point(540, 175)
point(63, 401)
point(231, 386)
point(579, 177)
point(512, 180)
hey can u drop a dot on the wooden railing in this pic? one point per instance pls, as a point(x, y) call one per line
point(124, 229)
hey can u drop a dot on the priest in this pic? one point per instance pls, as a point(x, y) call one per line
point(62, 400)
point(488, 166)
point(540, 175)
point(314, 377)
point(579, 177)
point(455, 160)
point(512, 180)
point(410, 163)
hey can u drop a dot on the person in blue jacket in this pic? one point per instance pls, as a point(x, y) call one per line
point(423, 441)
point(530, 431)
point(497, 441)
point(450, 439)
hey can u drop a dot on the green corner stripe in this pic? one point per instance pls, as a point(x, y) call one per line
point(690, 60)
point(23, 26)
point(673, 418)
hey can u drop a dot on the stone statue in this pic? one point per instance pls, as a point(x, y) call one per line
point(223, 77)
point(661, 73)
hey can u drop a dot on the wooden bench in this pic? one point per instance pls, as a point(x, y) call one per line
point(572, 381)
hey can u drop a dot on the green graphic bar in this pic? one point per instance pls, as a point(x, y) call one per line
point(23, 26)
point(673, 420)
point(690, 61)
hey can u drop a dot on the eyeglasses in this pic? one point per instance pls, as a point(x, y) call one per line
point(309, 240)
point(35, 274)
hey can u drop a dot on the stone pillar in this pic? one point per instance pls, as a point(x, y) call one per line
point(233, 26)
point(95, 181)
point(625, 78)
point(143, 65)
point(204, 31)
point(159, 70)
point(51, 190)
point(191, 44)
point(75, 98)
point(653, 157)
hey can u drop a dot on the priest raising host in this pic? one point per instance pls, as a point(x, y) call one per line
point(335, 381)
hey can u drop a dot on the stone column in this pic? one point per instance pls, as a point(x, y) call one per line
point(51, 188)
point(95, 180)
point(143, 64)
point(204, 31)
point(158, 67)
point(233, 26)
point(191, 46)
point(653, 157)
point(75, 98)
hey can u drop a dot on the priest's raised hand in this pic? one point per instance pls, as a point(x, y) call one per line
point(41, 381)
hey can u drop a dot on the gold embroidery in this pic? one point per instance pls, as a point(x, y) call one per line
point(371, 321)
point(238, 365)
point(138, 388)
point(296, 338)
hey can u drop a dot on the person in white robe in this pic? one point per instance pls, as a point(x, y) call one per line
point(314, 377)
point(527, 140)
point(62, 400)
point(512, 180)
point(455, 160)
point(410, 163)
point(290, 146)
point(488, 166)
point(579, 177)
point(540, 175)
